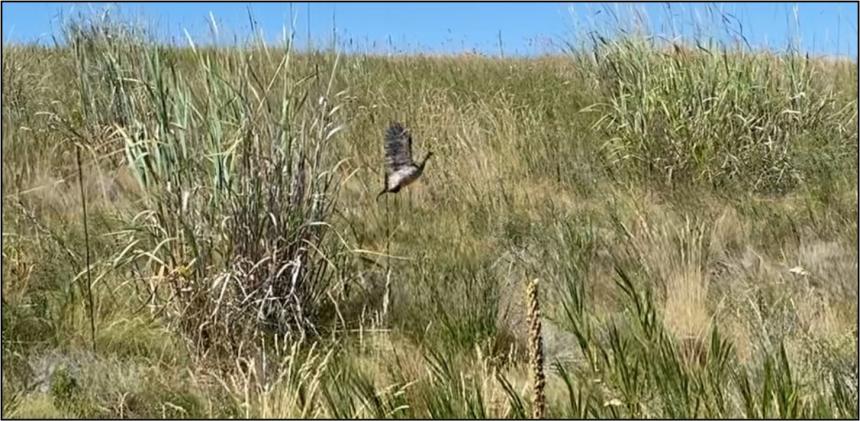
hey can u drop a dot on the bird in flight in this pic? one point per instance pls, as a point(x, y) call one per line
point(400, 170)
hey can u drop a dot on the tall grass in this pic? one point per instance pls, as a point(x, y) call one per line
point(718, 116)
point(242, 268)
point(236, 174)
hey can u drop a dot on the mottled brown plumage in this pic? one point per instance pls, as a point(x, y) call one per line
point(400, 170)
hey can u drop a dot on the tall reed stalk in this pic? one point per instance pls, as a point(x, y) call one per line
point(89, 280)
point(536, 363)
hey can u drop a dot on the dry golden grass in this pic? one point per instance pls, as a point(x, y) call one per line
point(643, 280)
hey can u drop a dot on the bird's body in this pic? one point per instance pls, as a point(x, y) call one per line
point(401, 171)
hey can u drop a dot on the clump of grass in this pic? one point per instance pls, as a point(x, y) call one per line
point(237, 231)
point(716, 116)
point(279, 384)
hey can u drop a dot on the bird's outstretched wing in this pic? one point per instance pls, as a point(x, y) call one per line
point(398, 147)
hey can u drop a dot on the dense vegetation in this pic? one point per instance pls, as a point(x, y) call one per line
point(691, 214)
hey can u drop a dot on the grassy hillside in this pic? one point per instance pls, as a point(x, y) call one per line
point(690, 214)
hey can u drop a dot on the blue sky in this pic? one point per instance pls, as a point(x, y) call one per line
point(524, 28)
